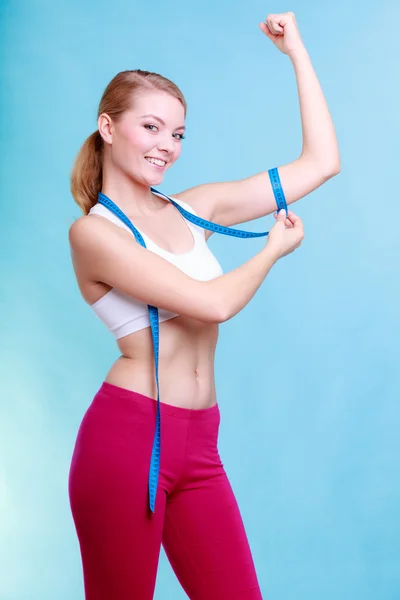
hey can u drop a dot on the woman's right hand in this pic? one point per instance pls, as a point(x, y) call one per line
point(286, 235)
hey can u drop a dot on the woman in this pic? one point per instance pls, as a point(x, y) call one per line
point(140, 131)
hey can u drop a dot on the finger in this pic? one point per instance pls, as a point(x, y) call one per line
point(291, 219)
point(274, 25)
point(287, 217)
point(297, 222)
point(270, 28)
point(288, 223)
point(264, 29)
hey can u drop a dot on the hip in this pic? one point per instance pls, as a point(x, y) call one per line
point(115, 438)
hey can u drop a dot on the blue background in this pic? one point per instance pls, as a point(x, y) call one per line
point(308, 373)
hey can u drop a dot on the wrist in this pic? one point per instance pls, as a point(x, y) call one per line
point(298, 53)
point(270, 253)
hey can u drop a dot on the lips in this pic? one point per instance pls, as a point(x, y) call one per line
point(157, 158)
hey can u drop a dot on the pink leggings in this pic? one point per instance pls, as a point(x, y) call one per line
point(196, 517)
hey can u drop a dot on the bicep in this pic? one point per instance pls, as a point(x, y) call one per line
point(233, 202)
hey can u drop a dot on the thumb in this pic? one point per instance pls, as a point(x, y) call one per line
point(264, 28)
point(281, 215)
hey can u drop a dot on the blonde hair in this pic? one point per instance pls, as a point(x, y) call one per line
point(87, 171)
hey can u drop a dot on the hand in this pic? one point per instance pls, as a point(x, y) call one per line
point(288, 220)
point(282, 30)
point(284, 240)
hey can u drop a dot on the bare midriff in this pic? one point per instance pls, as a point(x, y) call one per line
point(185, 366)
point(186, 346)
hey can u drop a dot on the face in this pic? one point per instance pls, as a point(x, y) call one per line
point(136, 136)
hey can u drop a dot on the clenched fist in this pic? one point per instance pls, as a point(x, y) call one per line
point(282, 30)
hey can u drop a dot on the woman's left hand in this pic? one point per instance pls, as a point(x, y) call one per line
point(282, 30)
point(288, 220)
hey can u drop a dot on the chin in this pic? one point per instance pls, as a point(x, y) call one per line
point(156, 180)
point(146, 179)
point(156, 177)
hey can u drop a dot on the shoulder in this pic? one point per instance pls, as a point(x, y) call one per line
point(197, 199)
point(88, 229)
point(76, 230)
point(80, 228)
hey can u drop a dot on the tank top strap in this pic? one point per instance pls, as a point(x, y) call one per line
point(198, 232)
point(102, 211)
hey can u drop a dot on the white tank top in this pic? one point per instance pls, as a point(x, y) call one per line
point(123, 314)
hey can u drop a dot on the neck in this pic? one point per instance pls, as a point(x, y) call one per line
point(132, 197)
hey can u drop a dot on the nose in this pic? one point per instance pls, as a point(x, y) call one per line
point(166, 144)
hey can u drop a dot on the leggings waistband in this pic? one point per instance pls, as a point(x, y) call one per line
point(116, 391)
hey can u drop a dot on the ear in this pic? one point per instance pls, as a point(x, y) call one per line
point(105, 126)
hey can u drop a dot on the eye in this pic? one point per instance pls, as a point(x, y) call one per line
point(181, 136)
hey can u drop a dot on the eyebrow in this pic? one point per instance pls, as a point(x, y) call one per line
point(161, 121)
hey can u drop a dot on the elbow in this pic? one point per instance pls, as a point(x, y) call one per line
point(206, 310)
point(325, 167)
point(212, 305)
point(217, 315)
point(335, 170)
point(222, 317)
point(326, 172)
point(331, 169)
point(222, 313)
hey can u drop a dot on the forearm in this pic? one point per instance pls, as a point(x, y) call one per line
point(233, 290)
point(319, 138)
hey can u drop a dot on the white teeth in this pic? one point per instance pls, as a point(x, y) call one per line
point(156, 161)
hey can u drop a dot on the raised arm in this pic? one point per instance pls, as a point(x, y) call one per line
point(230, 203)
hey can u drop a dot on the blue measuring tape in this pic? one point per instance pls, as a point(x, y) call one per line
point(153, 310)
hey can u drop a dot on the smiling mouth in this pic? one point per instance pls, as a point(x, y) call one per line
point(155, 162)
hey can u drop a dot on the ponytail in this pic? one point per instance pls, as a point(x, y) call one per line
point(86, 174)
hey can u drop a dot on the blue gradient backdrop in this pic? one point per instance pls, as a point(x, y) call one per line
point(308, 373)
